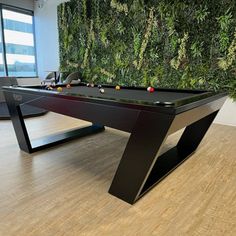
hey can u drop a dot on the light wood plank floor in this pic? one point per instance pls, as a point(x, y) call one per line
point(63, 190)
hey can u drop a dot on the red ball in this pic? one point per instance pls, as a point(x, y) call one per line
point(150, 89)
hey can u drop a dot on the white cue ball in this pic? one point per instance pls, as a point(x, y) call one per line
point(102, 90)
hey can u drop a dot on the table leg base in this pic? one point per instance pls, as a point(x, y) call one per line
point(55, 139)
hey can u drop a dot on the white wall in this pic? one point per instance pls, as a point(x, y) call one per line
point(47, 37)
point(227, 115)
point(28, 81)
point(26, 4)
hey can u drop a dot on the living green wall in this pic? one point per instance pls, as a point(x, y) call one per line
point(179, 44)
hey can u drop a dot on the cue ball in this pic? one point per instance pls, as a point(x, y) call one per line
point(102, 90)
point(117, 87)
point(68, 86)
point(99, 86)
point(59, 89)
point(88, 85)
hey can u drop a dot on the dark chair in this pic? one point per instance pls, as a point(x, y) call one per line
point(50, 78)
point(73, 78)
point(27, 110)
point(6, 81)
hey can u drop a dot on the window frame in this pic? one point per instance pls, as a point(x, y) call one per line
point(23, 11)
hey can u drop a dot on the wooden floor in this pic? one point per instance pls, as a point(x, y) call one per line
point(63, 190)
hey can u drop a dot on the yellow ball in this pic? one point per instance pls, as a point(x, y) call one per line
point(117, 87)
point(59, 89)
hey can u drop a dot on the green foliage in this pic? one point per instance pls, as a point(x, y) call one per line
point(201, 14)
point(176, 62)
point(179, 44)
point(224, 22)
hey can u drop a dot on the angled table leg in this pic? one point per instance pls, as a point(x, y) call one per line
point(194, 133)
point(140, 155)
point(13, 103)
point(140, 167)
point(175, 156)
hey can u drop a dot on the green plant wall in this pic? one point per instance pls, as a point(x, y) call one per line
point(179, 44)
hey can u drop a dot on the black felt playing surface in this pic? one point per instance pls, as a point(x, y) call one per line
point(129, 94)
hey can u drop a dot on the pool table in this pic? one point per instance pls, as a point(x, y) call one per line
point(148, 117)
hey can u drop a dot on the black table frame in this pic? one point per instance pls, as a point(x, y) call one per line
point(141, 166)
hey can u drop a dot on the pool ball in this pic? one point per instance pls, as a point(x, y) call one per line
point(92, 85)
point(99, 86)
point(117, 87)
point(150, 89)
point(59, 89)
point(88, 84)
point(68, 86)
point(102, 90)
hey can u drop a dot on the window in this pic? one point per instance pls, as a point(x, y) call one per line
point(17, 44)
point(2, 67)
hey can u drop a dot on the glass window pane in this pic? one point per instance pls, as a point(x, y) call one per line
point(19, 43)
point(2, 68)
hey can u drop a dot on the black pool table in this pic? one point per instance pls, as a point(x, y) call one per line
point(148, 117)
